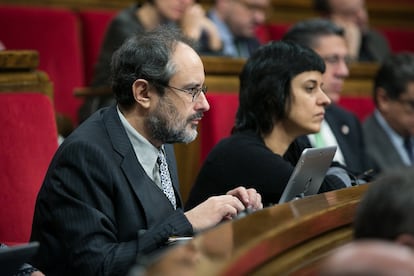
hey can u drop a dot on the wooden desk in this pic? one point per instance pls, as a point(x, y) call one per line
point(286, 239)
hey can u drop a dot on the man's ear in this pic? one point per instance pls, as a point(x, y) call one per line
point(141, 91)
point(382, 98)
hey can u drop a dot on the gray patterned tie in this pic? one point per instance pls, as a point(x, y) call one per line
point(165, 177)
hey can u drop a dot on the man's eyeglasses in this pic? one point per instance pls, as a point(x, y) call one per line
point(335, 59)
point(194, 92)
point(408, 104)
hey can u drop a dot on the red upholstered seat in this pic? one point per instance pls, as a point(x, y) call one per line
point(268, 32)
point(400, 39)
point(262, 33)
point(360, 106)
point(28, 141)
point(54, 33)
point(94, 24)
point(218, 121)
point(277, 31)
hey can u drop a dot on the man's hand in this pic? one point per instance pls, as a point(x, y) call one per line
point(353, 35)
point(217, 208)
point(214, 210)
point(249, 197)
point(195, 21)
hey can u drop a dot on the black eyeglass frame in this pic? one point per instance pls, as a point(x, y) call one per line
point(194, 92)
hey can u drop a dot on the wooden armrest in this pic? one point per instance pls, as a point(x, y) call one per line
point(92, 91)
point(19, 60)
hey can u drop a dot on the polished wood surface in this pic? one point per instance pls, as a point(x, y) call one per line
point(18, 72)
point(287, 239)
point(222, 75)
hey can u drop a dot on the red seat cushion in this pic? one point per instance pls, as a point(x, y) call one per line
point(54, 33)
point(27, 144)
point(218, 121)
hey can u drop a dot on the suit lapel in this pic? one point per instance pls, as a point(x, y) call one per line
point(388, 155)
point(144, 188)
point(342, 131)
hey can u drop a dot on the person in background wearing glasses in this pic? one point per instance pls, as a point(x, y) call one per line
point(236, 21)
point(280, 100)
point(389, 131)
point(340, 127)
point(111, 193)
point(364, 43)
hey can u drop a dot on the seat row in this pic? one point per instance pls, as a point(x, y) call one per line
point(68, 42)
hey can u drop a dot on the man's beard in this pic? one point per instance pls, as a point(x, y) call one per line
point(166, 125)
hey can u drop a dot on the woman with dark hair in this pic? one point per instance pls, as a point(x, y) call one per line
point(280, 99)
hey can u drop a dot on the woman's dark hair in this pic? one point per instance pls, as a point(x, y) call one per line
point(265, 83)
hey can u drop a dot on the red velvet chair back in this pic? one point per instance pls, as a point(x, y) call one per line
point(28, 141)
point(218, 121)
point(54, 33)
point(94, 24)
point(272, 31)
point(360, 106)
point(400, 39)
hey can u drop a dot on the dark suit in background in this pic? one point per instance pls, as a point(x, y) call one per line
point(379, 146)
point(374, 47)
point(348, 133)
point(96, 173)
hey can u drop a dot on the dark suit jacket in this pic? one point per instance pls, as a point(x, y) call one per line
point(379, 146)
point(97, 209)
point(348, 133)
point(374, 47)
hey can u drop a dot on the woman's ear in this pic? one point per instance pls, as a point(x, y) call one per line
point(141, 91)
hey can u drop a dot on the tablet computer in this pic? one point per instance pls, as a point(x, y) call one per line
point(309, 172)
point(13, 257)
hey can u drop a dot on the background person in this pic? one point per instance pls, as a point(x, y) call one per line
point(368, 258)
point(340, 127)
point(364, 43)
point(385, 211)
point(237, 21)
point(389, 131)
point(188, 16)
point(111, 191)
point(280, 99)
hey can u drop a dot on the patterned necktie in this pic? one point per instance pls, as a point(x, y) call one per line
point(408, 148)
point(166, 183)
